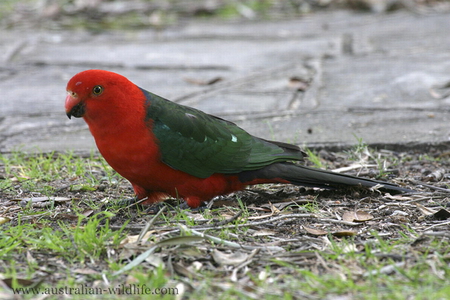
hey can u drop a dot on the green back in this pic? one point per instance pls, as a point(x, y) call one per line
point(201, 145)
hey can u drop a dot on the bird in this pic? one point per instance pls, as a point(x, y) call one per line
point(165, 149)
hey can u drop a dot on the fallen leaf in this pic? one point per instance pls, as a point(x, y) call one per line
point(88, 212)
point(264, 232)
point(67, 217)
point(425, 210)
point(4, 220)
point(234, 258)
point(349, 248)
point(21, 282)
point(155, 261)
point(356, 216)
point(273, 209)
point(435, 176)
point(136, 261)
point(180, 240)
point(30, 258)
point(344, 233)
point(186, 272)
point(127, 253)
point(397, 197)
point(315, 231)
point(131, 239)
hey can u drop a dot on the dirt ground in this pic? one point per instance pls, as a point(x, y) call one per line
point(294, 225)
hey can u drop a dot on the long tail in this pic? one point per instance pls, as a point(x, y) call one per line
point(306, 176)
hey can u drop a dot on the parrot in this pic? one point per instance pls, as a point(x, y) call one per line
point(165, 149)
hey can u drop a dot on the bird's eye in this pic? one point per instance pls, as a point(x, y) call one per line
point(97, 90)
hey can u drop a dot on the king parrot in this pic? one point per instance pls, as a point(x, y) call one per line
point(167, 149)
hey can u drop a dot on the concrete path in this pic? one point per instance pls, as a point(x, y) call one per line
point(317, 80)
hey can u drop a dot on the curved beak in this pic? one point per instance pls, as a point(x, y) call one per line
point(74, 107)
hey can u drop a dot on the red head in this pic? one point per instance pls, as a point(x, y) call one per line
point(97, 95)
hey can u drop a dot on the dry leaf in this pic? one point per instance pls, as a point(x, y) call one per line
point(315, 231)
point(186, 272)
point(397, 197)
point(155, 261)
point(441, 214)
point(349, 248)
point(88, 212)
point(131, 239)
point(22, 282)
point(127, 253)
point(30, 258)
point(234, 258)
point(344, 233)
point(273, 209)
point(426, 211)
point(180, 240)
point(435, 176)
point(67, 217)
point(4, 220)
point(356, 216)
point(264, 232)
point(282, 205)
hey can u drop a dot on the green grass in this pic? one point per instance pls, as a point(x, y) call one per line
point(314, 158)
point(66, 245)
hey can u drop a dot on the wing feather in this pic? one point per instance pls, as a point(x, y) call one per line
point(201, 144)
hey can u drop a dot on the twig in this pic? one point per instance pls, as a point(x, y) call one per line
point(430, 186)
point(341, 222)
point(437, 233)
point(248, 261)
point(149, 224)
point(435, 225)
point(229, 220)
point(233, 244)
point(354, 167)
point(248, 224)
point(386, 269)
point(135, 203)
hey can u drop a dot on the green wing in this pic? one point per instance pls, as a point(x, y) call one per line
point(201, 145)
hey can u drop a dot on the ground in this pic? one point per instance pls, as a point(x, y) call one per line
point(268, 241)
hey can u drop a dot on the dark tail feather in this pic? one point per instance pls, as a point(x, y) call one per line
point(305, 176)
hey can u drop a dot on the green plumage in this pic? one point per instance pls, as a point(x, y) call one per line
point(201, 145)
